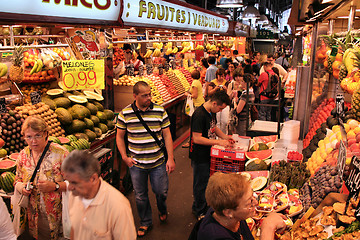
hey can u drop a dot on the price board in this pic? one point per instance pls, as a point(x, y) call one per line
point(130, 70)
point(82, 74)
point(340, 105)
point(141, 70)
point(2, 105)
point(35, 97)
point(341, 162)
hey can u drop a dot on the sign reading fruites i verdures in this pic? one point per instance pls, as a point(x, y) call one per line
point(169, 15)
point(102, 10)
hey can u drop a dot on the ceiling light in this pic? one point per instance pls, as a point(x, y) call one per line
point(251, 12)
point(229, 3)
point(326, 1)
point(357, 10)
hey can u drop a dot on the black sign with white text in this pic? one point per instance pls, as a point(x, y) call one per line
point(35, 97)
point(341, 162)
point(2, 105)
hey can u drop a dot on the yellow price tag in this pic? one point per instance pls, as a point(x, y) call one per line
point(82, 74)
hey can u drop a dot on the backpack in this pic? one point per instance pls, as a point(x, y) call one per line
point(271, 90)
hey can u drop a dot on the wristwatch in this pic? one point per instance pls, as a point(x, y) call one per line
point(57, 186)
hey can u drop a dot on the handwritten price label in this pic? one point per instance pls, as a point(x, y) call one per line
point(82, 74)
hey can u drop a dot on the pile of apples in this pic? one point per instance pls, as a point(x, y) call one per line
point(160, 87)
point(187, 75)
point(169, 85)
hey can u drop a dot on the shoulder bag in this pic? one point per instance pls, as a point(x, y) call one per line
point(161, 144)
point(24, 200)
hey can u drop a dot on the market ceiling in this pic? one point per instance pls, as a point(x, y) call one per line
point(278, 6)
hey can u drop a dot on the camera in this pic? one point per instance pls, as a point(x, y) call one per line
point(220, 86)
point(29, 186)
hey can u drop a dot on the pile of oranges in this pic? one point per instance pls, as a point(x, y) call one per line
point(42, 76)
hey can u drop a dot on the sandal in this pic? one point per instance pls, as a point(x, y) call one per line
point(144, 230)
point(163, 218)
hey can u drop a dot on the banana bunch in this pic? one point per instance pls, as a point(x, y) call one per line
point(199, 47)
point(157, 53)
point(3, 69)
point(138, 46)
point(168, 51)
point(175, 50)
point(37, 66)
point(168, 45)
point(158, 45)
point(208, 46)
point(186, 49)
point(185, 44)
point(350, 57)
point(148, 53)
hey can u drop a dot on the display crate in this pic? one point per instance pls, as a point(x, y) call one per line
point(226, 160)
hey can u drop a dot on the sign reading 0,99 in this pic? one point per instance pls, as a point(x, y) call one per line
point(82, 74)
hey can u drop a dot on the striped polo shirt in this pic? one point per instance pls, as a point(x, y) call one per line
point(141, 145)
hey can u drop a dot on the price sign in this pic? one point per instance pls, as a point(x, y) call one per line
point(340, 105)
point(82, 74)
point(353, 181)
point(341, 159)
point(2, 105)
point(173, 64)
point(130, 70)
point(161, 69)
point(141, 70)
point(149, 69)
point(167, 66)
point(35, 97)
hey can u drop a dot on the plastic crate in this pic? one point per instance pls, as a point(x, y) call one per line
point(227, 153)
point(226, 165)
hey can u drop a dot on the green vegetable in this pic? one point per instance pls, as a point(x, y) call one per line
point(352, 228)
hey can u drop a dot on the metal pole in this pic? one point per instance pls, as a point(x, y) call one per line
point(331, 26)
point(351, 17)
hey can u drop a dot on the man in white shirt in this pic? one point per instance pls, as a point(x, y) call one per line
point(6, 226)
point(96, 209)
point(283, 73)
point(282, 61)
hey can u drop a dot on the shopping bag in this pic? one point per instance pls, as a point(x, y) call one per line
point(189, 106)
point(18, 212)
point(65, 212)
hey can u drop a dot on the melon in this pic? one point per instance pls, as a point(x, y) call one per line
point(14, 156)
point(7, 181)
point(7, 165)
point(255, 164)
point(78, 99)
point(64, 116)
point(258, 183)
point(259, 146)
point(55, 92)
point(93, 95)
point(264, 154)
point(62, 102)
point(63, 140)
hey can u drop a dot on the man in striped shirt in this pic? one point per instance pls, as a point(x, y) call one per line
point(143, 155)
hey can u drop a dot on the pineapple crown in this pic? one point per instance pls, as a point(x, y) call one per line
point(18, 55)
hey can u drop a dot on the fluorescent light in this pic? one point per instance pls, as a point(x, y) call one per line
point(299, 28)
point(357, 10)
point(326, 1)
point(343, 17)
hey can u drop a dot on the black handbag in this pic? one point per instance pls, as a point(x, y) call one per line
point(161, 144)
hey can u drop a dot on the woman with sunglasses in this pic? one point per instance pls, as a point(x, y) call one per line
point(231, 202)
point(45, 208)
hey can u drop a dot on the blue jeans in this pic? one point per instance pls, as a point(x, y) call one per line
point(265, 111)
point(159, 183)
point(201, 172)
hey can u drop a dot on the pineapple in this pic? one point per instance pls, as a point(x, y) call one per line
point(16, 71)
point(330, 61)
point(355, 104)
point(343, 72)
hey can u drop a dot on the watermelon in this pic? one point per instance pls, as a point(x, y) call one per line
point(14, 156)
point(7, 181)
point(7, 166)
point(265, 139)
point(54, 139)
point(63, 140)
point(263, 154)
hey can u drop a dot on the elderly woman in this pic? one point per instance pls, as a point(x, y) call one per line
point(231, 202)
point(45, 208)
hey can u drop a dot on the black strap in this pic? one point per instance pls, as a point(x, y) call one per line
point(158, 142)
point(40, 160)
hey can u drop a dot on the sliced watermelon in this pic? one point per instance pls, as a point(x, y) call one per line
point(7, 166)
point(266, 139)
point(263, 154)
point(14, 156)
point(63, 140)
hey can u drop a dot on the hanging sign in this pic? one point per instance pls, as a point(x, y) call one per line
point(35, 97)
point(82, 74)
point(182, 16)
point(95, 11)
point(340, 103)
point(2, 105)
point(341, 162)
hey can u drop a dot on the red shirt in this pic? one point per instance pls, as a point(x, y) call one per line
point(263, 80)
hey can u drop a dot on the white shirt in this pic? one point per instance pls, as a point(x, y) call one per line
point(6, 226)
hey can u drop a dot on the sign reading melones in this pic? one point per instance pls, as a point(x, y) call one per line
point(105, 10)
point(163, 14)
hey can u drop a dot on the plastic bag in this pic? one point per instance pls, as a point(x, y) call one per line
point(189, 106)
